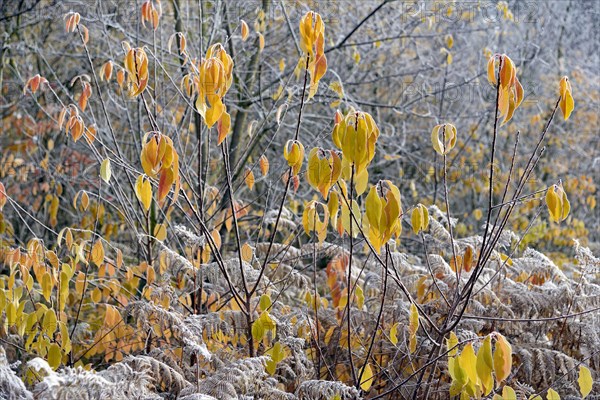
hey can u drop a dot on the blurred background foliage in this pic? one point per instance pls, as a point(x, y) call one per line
point(411, 65)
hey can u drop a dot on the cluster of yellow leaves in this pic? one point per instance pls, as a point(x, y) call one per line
point(511, 92)
point(383, 213)
point(584, 380)
point(136, 65)
point(557, 202)
point(445, 140)
point(566, 98)
point(277, 354)
point(312, 222)
point(312, 43)
point(585, 387)
point(324, 170)
point(473, 374)
point(159, 157)
point(43, 326)
point(356, 135)
point(210, 80)
point(263, 325)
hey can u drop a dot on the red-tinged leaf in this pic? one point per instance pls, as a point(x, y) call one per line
point(164, 184)
point(223, 127)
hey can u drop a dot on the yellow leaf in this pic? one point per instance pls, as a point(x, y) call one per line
point(11, 313)
point(96, 295)
point(247, 252)
point(63, 292)
point(491, 70)
point(263, 163)
point(150, 275)
point(367, 378)
point(261, 42)
point(361, 180)
point(451, 344)
point(105, 170)
point(416, 220)
point(50, 322)
point(79, 283)
point(85, 201)
point(414, 319)
point(265, 302)
point(216, 236)
point(214, 113)
point(502, 358)
point(223, 126)
point(262, 326)
point(507, 71)
point(552, 395)
point(508, 393)
point(459, 376)
point(249, 178)
point(420, 218)
point(558, 203)
point(47, 285)
point(54, 356)
point(337, 87)
point(567, 103)
point(413, 327)
point(360, 297)
point(443, 138)
point(484, 365)
point(119, 258)
point(293, 152)
point(469, 362)
point(277, 354)
point(245, 30)
point(143, 191)
point(394, 334)
point(585, 381)
point(97, 255)
point(160, 232)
